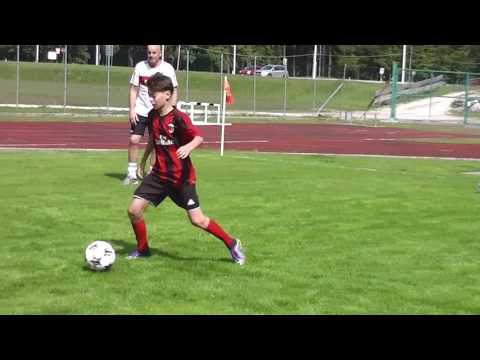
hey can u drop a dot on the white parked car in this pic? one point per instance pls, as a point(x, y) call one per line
point(279, 71)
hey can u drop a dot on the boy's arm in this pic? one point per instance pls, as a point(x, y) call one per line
point(146, 154)
point(185, 150)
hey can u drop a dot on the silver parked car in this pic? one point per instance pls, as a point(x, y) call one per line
point(279, 71)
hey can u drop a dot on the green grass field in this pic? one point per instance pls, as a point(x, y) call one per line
point(323, 235)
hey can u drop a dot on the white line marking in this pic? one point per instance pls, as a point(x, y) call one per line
point(13, 145)
point(262, 152)
point(228, 142)
point(237, 141)
point(57, 149)
point(374, 156)
point(380, 139)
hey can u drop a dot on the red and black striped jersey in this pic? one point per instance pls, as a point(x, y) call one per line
point(168, 133)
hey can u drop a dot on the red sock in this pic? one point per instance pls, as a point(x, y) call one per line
point(141, 234)
point(215, 229)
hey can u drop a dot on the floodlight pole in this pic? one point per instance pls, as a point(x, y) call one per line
point(163, 52)
point(97, 55)
point(37, 52)
point(314, 70)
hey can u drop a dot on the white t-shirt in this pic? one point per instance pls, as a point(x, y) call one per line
point(140, 75)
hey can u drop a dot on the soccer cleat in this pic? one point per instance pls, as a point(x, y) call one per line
point(236, 252)
point(130, 180)
point(139, 254)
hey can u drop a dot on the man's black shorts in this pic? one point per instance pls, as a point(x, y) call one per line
point(139, 129)
point(155, 191)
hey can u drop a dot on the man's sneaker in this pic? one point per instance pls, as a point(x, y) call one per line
point(130, 180)
point(237, 254)
point(138, 254)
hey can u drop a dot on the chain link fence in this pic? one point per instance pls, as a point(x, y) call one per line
point(430, 95)
point(82, 75)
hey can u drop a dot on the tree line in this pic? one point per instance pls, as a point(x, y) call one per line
point(353, 61)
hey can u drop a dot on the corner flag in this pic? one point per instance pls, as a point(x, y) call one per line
point(228, 91)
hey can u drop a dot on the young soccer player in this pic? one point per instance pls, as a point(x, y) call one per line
point(173, 137)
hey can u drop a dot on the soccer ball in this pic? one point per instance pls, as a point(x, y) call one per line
point(99, 256)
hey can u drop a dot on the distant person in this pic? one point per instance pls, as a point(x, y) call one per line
point(174, 137)
point(140, 105)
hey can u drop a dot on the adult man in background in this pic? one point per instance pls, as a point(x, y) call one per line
point(140, 104)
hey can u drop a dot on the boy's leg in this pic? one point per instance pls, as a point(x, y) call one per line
point(136, 134)
point(197, 218)
point(135, 213)
point(186, 197)
point(133, 146)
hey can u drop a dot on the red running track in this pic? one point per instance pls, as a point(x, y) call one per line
point(297, 138)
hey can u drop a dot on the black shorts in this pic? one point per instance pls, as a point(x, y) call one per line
point(155, 191)
point(139, 129)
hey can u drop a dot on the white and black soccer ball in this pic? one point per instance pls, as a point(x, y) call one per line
point(99, 256)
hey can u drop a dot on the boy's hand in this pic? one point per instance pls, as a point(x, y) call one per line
point(183, 152)
point(141, 170)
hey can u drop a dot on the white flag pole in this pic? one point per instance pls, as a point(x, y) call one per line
point(222, 141)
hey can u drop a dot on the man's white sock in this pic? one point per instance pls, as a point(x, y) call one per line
point(132, 170)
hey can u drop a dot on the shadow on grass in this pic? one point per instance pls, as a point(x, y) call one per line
point(123, 248)
point(119, 176)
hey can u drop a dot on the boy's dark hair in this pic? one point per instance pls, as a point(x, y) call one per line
point(159, 82)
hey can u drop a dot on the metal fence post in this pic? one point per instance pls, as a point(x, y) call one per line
point(254, 84)
point(467, 90)
point(188, 71)
point(393, 105)
point(18, 72)
point(65, 55)
point(221, 79)
point(108, 76)
point(431, 95)
point(285, 97)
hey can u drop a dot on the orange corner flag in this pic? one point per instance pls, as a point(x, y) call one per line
point(228, 90)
